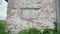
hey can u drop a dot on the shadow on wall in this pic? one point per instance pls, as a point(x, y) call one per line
point(6, 0)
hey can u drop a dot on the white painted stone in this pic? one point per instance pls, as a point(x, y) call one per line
point(3, 9)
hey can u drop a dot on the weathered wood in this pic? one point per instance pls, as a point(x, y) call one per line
point(58, 14)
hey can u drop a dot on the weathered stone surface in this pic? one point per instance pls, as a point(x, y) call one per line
point(46, 12)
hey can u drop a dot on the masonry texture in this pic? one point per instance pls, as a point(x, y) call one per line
point(31, 13)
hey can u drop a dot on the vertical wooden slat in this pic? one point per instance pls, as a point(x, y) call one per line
point(58, 13)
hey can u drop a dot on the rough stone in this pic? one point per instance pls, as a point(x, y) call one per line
point(47, 15)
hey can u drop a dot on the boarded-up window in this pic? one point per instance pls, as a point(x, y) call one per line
point(30, 13)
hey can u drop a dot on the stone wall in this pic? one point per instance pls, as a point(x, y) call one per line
point(31, 13)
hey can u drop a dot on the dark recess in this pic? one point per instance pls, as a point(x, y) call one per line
point(6, 0)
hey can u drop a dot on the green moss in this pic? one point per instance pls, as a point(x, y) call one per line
point(2, 27)
point(36, 31)
point(30, 31)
